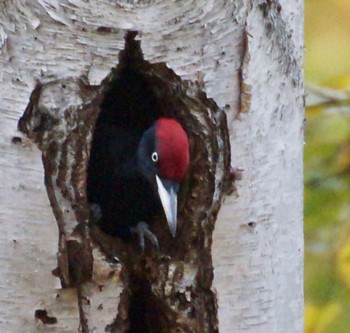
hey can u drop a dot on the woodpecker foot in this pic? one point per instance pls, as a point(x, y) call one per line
point(95, 212)
point(142, 230)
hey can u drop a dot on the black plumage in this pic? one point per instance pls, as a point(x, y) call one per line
point(116, 183)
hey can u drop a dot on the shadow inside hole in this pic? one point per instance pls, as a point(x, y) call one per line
point(142, 310)
point(129, 101)
point(148, 313)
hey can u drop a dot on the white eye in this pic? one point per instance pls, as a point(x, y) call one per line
point(155, 157)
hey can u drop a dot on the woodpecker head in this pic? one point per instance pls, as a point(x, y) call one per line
point(163, 157)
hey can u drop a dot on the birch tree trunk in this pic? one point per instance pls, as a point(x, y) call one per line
point(231, 72)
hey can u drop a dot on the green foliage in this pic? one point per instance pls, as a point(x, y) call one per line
point(327, 216)
point(327, 169)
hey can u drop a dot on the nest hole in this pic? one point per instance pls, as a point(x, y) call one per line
point(134, 95)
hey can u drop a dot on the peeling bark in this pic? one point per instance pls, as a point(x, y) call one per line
point(201, 62)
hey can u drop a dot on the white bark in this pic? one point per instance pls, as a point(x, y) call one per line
point(258, 240)
point(258, 270)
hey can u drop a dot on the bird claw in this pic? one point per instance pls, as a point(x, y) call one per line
point(142, 230)
point(95, 212)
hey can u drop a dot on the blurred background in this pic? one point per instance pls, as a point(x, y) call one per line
point(327, 166)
